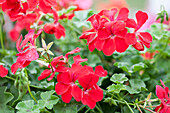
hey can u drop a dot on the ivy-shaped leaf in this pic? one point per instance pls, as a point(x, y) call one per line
point(138, 67)
point(48, 99)
point(116, 88)
point(65, 108)
point(5, 97)
point(27, 107)
point(122, 65)
point(137, 86)
point(118, 78)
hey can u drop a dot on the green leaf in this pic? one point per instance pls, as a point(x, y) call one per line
point(137, 86)
point(139, 66)
point(65, 108)
point(123, 65)
point(116, 88)
point(118, 78)
point(110, 101)
point(27, 107)
point(48, 100)
point(6, 97)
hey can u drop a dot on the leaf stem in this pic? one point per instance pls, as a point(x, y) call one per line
point(28, 86)
point(129, 106)
point(147, 109)
point(2, 44)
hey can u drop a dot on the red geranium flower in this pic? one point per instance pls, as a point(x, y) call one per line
point(164, 95)
point(91, 92)
point(144, 38)
point(57, 29)
point(66, 86)
point(3, 71)
point(14, 8)
point(28, 53)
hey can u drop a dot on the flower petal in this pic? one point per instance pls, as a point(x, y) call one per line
point(66, 97)
point(61, 88)
point(3, 71)
point(109, 47)
point(121, 45)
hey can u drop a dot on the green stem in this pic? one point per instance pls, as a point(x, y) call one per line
point(99, 108)
point(129, 106)
point(2, 44)
point(28, 86)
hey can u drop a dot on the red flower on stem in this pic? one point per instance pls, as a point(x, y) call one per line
point(28, 53)
point(164, 95)
point(144, 38)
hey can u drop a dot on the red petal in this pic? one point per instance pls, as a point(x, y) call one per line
point(49, 28)
point(61, 88)
point(100, 71)
point(130, 39)
point(103, 34)
point(141, 18)
point(43, 7)
point(130, 23)
point(160, 92)
point(146, 37)
point(60, 31)
point(123, 14)
point(66, 97)
point(18, 44)
point(99, 44)
point(72, 52)
point(109, 47)
point(44, 74)
point(66, 78)
point(109, 13)
point(77, 59)
point(92, 46)
point(51, 77)
point(121, 45)
point(3, 71)
point(88, 81)
point(96, 94)
point(117, 27)
point(76, 93)
point(32, 4)
point(86, 100)
point(15, 67)
point(138, 46)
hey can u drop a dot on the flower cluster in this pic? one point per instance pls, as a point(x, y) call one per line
point(164, 95)
point(109, 33)
point(69, 77)
point(28, 53)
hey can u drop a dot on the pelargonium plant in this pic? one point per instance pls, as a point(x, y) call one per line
point(104, 73)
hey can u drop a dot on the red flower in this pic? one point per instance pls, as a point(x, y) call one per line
point(3, 71)
point(14, 8)
point(164, 95)
point(144, 38)
point(56, 29)
point(108, 33)
point(91, 92)
point(28, 53)
point(59, 64)
point(66, 86)
point(44, 5)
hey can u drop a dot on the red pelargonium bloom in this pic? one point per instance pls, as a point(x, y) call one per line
point(57, 29)
point(91, 92)
point(28, 53)
point(15, 9)
point(164, 95)
point(144, 38)
point(3, 71)
point(108, 33)
point(66, 86)
point(44, 5)
point(59, 64)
